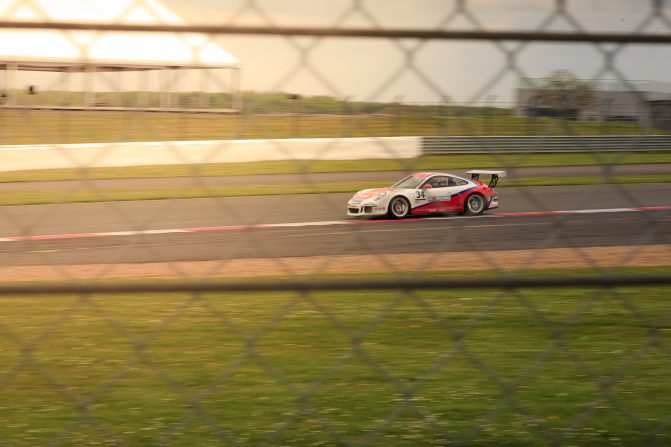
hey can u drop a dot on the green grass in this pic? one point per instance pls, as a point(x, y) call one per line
point(558, 181)
point(441, 163)
point(382, 368)
point(47, 127)
point(34, 197)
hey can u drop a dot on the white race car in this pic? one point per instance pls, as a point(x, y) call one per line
point(429, 193)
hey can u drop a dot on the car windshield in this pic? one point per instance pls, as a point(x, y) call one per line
point(410, 182)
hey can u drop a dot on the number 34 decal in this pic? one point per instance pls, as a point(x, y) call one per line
point(419, 195)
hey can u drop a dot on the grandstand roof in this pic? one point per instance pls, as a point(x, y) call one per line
point(55, 50)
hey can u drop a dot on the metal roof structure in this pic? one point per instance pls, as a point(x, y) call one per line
point(54, 50)
point(91, 52)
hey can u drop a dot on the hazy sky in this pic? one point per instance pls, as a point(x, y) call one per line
point(384, 69)
point(377, 69)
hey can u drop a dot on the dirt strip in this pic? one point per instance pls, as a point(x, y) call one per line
point(592, 257)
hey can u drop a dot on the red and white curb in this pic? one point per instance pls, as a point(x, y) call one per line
point(319, 223)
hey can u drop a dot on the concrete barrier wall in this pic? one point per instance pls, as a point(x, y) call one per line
point(16, 158)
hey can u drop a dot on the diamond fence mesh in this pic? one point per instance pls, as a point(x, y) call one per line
point(178, 266)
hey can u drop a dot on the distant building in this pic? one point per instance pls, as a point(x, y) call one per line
point(646, 103)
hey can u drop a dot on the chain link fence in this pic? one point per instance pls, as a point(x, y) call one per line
point(178, 267)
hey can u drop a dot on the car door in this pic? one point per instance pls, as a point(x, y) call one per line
point(443, 193)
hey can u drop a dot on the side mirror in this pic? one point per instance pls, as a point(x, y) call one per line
point(427, 186)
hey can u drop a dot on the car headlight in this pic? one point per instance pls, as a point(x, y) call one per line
point(379, 196)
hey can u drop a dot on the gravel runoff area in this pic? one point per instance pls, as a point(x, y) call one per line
point(505, 260)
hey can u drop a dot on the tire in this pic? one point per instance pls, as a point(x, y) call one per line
point(475, 205)
point(399, 207)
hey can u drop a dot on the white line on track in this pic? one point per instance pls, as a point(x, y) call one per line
point(318, 223)
point(306, 224)
point(397, 230)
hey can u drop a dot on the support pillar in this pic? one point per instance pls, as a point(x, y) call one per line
point(89, 86)
point(236, 86)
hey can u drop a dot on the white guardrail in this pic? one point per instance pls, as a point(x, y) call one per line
point(18, 158)
point(444, 145)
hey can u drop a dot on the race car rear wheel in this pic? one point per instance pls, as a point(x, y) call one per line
point(399, 207)
point(475, 205)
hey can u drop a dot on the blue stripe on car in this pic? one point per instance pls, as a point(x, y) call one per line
point(453, 195)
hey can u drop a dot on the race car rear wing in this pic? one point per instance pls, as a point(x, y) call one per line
point(475, 175)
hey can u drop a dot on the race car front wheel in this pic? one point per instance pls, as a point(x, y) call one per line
point(475, 205)
point(399, 207)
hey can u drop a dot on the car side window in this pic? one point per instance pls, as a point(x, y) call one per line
point(439, 181)
point(453, 181)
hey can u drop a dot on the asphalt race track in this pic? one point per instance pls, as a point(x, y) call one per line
point(384, 177)
point(236, 228)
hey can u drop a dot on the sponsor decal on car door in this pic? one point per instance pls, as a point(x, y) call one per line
point(446, 194)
